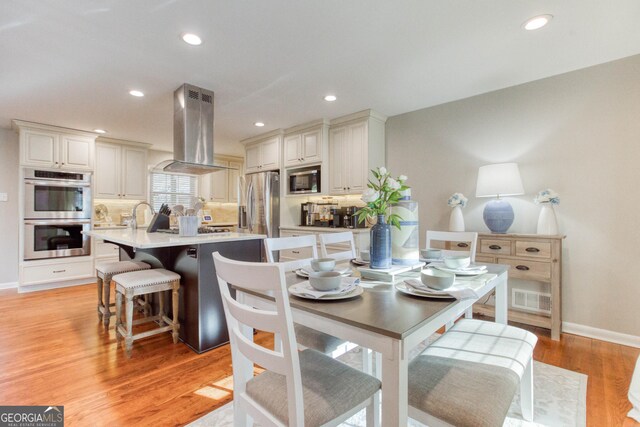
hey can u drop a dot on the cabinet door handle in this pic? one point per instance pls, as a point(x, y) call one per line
point(62, 163)
point(296, 252)
point(124, 195)
point(59, 271)
point(463, 245)
point(534, 250)
point(495, 247)
point(522, 267)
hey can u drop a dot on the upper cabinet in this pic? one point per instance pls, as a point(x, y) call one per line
point(222, 186)
point(121, 170)
point(356, 145)
point(52, 147)
point(262, 153)
point(305, 144)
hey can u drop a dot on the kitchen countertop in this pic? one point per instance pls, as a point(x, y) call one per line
point(142, 240)
point(324, 229)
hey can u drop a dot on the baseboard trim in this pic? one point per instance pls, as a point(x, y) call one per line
point(8, 285)
point(601, 334)
point(58, 285)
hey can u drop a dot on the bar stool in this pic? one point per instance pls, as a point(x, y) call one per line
point(136, 283)
point(104, 274)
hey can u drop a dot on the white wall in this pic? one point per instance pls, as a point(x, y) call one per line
point(9, 210)
point(577, 133)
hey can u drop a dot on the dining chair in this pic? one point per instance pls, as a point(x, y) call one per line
point(296, 389)
point(469, 376)
point(308, 337)
point(337, 238)
point(462, 239)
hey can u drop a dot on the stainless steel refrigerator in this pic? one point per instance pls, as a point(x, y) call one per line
point(259, 208)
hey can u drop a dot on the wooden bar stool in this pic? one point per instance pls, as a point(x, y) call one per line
point(136, 283)
point(104, 274)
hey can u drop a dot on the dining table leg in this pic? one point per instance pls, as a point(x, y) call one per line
point(395, 386)
point(502, 299)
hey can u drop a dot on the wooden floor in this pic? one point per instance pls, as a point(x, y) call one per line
point(53, 351)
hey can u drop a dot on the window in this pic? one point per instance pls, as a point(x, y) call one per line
point(172, 189)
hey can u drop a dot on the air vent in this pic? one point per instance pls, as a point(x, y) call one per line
point(194, 95)
point(207, 98)
point(538, 302)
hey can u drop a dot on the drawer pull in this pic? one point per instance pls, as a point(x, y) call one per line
point(296, 252)
point(534, 250)
point(463, 245)
point(59, 271)
point(495, 247)
point(522, 267)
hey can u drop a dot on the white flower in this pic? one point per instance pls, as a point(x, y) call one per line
point(402, 178)
point(393, 184)
point(382, 170)
point(457, 199)
point(370, 195)
point(547, 196)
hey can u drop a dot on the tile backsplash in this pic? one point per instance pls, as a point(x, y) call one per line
point(221, 212)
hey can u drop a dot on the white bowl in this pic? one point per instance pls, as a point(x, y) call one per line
point(323, 264)
point(365, 255)
point(431, 253)
point(461, 261)
point(437, 279)
point(325, 280)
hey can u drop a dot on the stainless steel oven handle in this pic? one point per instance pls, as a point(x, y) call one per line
point(56, 183)
point(57, 222)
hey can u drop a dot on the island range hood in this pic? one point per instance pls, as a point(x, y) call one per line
point(192, 132)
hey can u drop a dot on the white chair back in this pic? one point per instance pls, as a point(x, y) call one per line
point(285, 243)
point(466, 241)
point(241, 318)
point(335, 238)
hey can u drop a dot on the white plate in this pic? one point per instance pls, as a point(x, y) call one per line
point(458, 272)
point(298, 291)
point(359, 261)
point(405, 289)
point(430, 259)
point(346, 271)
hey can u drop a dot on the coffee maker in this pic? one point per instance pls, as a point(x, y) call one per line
point(308, 214)
point(350, 219)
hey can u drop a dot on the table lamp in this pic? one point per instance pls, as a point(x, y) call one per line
point(498, 180)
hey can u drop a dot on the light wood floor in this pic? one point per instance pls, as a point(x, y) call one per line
point(53, 351)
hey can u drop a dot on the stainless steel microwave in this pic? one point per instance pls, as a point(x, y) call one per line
point(304, 181)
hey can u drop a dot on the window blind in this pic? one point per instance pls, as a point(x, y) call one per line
point(172, 189)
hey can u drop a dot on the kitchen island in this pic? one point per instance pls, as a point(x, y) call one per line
point(202, 322)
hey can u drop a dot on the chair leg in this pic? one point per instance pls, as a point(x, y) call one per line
point(366, 360)
point(373, 411)
point(161, 308)
point(106, 298)
point(128, 340)
point(147, 306)
point(99, 283)
point(526, 392)
point(118, 316)
point(175, 301)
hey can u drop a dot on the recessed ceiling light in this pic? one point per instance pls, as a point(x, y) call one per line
point(537, 22)
point(136, 93)
point(259, 124)
point(330, 98)
point(192, 39)
point(100, 131)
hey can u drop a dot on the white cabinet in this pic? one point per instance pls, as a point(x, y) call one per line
point(222, 186)
point(262, 153)
point(304, 146)
point(104, 251)
point(121, 171)
point(356, 145)
point(56, 270)
point(360, 238)
point(50, 147)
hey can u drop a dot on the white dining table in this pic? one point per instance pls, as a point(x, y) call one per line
point(387, 322)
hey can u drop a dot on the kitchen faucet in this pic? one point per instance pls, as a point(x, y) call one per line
point(134, 223)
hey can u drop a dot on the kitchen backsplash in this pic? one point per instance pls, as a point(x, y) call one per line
point(221, 212)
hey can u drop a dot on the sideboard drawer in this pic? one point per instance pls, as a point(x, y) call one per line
point(532, 270)
point(497, 247)
point(299, 253)
point(533, 249)
point(485, 259)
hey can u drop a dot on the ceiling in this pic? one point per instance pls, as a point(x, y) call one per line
point(72, 63)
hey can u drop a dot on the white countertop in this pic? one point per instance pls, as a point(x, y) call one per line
point(324, 229)
point(141, 239)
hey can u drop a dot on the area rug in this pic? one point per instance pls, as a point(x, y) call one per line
point(560, 400)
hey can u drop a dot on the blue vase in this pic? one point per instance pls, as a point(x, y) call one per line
point(380, 250)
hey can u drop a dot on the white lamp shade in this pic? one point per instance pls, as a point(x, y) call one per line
point(501, 179)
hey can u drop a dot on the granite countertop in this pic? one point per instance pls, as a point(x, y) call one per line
point(324, 229)
point(141, 239)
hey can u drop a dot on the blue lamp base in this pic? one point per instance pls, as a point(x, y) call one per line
point(498, 216)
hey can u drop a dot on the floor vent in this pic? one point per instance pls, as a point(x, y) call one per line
point(538, 302)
